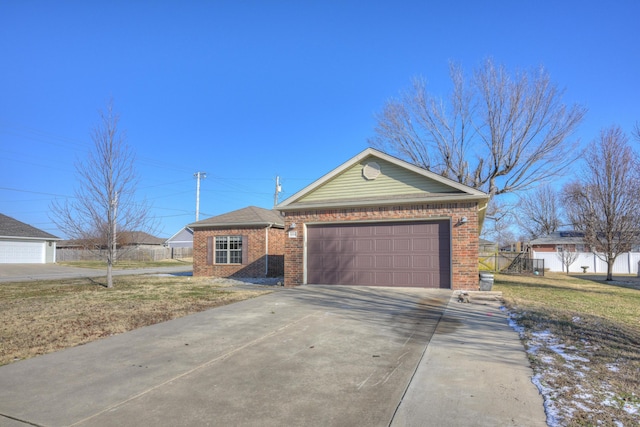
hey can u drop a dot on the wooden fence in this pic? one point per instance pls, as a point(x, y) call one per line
point(128, 254)
point(496, 261)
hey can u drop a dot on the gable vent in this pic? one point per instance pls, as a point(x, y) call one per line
point(371, 171)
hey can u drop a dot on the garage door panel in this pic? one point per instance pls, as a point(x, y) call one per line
point(401, 261)
point(364, 261)
point(402, 244)
point(383, 278)
point(364, 246)
point(389, 254)
point(383, 245)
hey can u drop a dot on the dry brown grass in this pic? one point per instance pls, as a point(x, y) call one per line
point(43, 317)
point(583, 336)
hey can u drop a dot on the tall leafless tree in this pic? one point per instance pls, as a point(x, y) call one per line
point(538, 212)
point(603, 203)
point(498, 132)
point(104, 201)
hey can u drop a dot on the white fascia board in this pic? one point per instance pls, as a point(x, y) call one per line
point(44, 239)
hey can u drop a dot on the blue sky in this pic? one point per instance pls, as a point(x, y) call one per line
point(247, 90)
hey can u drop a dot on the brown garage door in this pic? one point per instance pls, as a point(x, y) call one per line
point(415, 254)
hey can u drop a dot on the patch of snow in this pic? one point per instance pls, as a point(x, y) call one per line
point(612, 367)
point(553, 415)
point(631, 408)
point(560, 350)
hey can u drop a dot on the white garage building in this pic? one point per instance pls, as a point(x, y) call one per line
point(22, 243)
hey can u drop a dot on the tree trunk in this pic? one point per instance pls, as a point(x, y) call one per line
point(610, 270)
point(109, 275)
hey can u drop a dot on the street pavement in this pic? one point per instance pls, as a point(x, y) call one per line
point(30, 272)
point(305, 356)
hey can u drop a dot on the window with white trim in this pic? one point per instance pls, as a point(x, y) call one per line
point(228, 250)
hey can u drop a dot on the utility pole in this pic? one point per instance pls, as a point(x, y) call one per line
point(199, 176)
point(278, 191)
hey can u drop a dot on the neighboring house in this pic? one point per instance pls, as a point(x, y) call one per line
point(22, 243)
point(377, 220)
point(182, 239)
point(130, 239)
point(549, 247)
point(139, 239)
point(487, 245)
point(248, 242)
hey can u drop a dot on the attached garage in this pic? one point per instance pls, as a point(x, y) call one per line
point(407, 254)
point(377, 220)
point(22, 252)
point(22, 243)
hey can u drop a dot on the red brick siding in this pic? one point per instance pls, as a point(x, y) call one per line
point(255, 266)
point(464, 237)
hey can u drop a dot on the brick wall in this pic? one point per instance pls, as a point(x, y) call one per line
point(255, 265)
point(464, 237)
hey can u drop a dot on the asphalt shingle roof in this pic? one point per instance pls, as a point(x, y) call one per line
point(249, 216)
point(11, 227)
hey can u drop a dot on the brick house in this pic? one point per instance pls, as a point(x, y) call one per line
point(377, 220)
point(248, 242)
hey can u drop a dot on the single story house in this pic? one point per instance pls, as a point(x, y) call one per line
point(129, 239)
point(247, 242)
point(139, 239)
point(550, 247)
point(182, 239)
point(377, 220)
point(22, 243)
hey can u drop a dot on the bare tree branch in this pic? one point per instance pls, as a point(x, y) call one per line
point(538, 212)
point(104, 201)
point(499, 133)
point(604, 202)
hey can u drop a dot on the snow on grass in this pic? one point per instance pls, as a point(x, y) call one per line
point(559, 374)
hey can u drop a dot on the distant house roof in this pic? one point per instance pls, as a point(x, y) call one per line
point(11, 227)
point(183, 232)
point(139, 238)
point(249, 216)
point(560, 238)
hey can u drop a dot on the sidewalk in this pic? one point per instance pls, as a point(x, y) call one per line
point(474, 372)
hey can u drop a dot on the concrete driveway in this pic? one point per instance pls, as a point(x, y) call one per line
point(308, 356)
point(313, 356)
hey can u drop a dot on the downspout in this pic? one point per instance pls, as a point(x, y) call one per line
point(266, 250)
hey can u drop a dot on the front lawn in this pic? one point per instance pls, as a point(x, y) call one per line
point(582, 335)
point(44, 316)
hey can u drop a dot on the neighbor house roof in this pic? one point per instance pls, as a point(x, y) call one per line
point(139, 238)
point(11, 227)
point(186, 231)
point(560, 238)
point(249, 216)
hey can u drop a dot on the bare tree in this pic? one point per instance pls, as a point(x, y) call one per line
point(104, 202)
point(498, 226)
point(499, 133)
point(604, 202)
point(538, 212)
point(567, 257)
